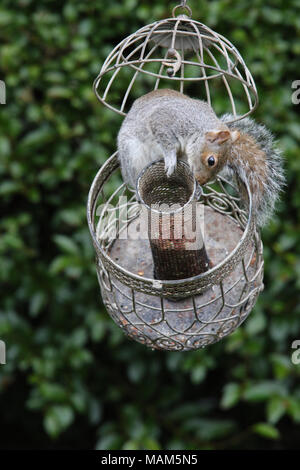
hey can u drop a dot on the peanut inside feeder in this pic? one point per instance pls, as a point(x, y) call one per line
point(173, 226)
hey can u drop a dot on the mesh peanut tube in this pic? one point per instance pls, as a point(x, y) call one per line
point(173, 221)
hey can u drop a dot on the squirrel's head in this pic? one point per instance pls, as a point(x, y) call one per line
point(208, 160)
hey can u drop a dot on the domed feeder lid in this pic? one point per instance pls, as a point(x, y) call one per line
point(182, 54)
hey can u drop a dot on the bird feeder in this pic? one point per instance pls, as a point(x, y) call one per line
point(180, 291)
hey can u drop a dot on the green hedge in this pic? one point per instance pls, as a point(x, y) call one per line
point(72, 380)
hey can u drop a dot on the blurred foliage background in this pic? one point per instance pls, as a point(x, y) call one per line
point(72, 380)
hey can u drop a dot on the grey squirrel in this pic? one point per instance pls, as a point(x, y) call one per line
point(166, 123)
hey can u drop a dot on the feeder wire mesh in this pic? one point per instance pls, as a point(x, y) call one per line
point(173, 221)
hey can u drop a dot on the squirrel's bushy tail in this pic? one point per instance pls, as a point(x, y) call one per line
point(267, 184)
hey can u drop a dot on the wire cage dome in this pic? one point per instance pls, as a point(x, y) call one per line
point(214, 293)
point(182, 54)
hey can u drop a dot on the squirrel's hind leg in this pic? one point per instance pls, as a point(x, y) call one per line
point(132, 159)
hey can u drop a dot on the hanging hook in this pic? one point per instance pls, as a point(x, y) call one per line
point(183, 5)
point(173, 67)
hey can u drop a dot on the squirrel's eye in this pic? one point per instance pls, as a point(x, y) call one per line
point(211, 161)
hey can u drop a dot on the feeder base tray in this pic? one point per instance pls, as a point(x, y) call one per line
point(196, 321)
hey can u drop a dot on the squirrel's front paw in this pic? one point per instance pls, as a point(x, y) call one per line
point(170, 162)
point(170, 169)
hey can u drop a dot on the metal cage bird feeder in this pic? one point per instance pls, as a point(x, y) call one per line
point(215, 295)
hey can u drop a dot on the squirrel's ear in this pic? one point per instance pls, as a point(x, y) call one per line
point(217, 137)
point(235, 136)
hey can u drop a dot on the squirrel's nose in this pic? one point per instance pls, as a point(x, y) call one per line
point(201, 179)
